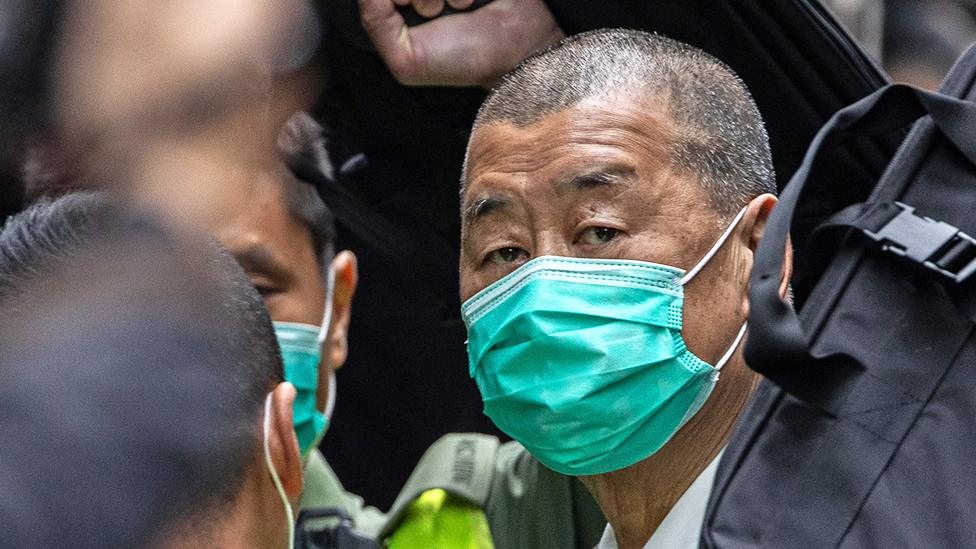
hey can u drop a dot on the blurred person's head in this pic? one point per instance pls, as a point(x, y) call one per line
point(165, 99)
point(51, 234)
point(142, 387)
point(283, 235)
point(614, 192)
point(144, 67)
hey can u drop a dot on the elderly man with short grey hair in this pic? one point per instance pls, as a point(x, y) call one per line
point(613, 195)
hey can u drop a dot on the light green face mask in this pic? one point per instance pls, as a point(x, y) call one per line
point(582, 360)
point(301, 352)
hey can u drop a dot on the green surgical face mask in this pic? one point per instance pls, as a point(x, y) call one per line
point(582, 360)
point(301, 352)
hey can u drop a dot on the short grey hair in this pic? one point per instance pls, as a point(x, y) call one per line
point(718, 133)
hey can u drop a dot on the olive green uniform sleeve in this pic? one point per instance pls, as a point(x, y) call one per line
point(532, 506)
point(323, 489)
point(526, 505)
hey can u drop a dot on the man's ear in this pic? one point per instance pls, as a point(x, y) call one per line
point(346, 279)
point(757, 215)
point(283, 442)
point(785, 292)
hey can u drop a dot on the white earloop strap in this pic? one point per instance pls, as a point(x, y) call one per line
point(735, 345)
point(327, 315)
point(714, 250)
point(323, 334)
point(289, 513)
point(330, 403)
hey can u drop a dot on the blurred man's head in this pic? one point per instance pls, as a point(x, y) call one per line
point(620, 146)
point(158, 100)
point(283, 235)
point(135, 376)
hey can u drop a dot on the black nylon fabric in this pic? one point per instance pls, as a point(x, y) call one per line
point(892, 466)
point(779, 348)
point(932, 498)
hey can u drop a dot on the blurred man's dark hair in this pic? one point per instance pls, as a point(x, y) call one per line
point(49, 234)
point(133, 373)
point(302, 139)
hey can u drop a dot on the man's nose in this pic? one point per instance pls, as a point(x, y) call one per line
point(552, 242)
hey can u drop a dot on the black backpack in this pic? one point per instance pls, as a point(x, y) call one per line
point(864, 432)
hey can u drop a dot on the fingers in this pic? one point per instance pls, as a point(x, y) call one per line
point(460, 4)
point(374, 12)
point(390, 35)
point(382, 22)
point(478, 47)
point(428, 8)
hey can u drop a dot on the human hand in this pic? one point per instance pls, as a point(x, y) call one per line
point(430, 9)
point(474, 48)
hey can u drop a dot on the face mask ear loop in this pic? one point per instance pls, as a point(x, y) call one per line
point(327, 316)
point(735, 345)
point(289, 513)
point(330, 403)
point(714, 250)
point(323, 334)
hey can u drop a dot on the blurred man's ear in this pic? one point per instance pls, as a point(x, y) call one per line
point(346, 279)
point(283, 442)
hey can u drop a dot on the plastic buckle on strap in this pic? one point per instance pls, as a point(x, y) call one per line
point(934, 245)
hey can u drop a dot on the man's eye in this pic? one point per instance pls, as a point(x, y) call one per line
point(502, 256)
point(599, 235)
point(264, 291)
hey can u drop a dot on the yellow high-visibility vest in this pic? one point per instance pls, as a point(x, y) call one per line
point(438, 520)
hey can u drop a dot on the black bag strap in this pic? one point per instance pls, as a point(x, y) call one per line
point(934, 248)
point(340, 536)
point(778, 346)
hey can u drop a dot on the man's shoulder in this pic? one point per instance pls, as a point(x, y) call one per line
point(461, 464)
point(323, 489)
point(533, 506)
point(477, 468)
point(526, 504)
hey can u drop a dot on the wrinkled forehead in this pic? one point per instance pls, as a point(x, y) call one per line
point(620, 135)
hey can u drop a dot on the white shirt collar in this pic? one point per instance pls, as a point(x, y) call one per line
point(681, 527)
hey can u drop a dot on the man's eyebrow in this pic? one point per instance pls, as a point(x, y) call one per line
point(483, 206)
point(259, 258)
point(597, 178)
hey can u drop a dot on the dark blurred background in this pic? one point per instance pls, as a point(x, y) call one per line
point(915, 40)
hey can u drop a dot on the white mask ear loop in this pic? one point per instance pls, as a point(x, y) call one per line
point(327, 315)
point(323, 334)
point(330, 403)
point(714, 250)
point(289, 513)
point(731, 351)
